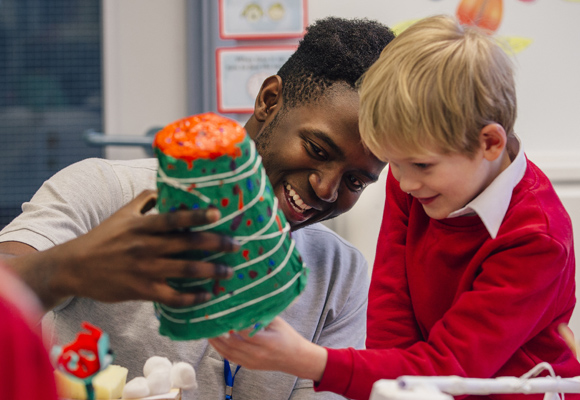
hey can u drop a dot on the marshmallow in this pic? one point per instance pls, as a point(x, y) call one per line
point(159, 381)
point(136, 388)
point(155, 363)
point(183, 376)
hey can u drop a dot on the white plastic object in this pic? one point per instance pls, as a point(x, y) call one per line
point(432, 387)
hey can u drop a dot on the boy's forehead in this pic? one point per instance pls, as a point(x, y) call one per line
point(410, 154)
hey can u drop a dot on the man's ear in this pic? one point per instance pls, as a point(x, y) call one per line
point(493, 141)
point(269, 97)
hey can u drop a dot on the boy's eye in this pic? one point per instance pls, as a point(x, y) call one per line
point(422, 165)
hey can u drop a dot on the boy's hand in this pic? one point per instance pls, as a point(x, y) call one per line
point(128, 257)
point(276, 348)
point(566, 333)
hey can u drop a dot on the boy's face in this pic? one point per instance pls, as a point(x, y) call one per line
point(442, 183)
point(315, 160)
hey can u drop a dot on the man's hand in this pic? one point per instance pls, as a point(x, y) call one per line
point(127, 257)
point(276, 348)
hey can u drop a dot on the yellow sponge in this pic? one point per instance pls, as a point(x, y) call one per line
point(108, 384)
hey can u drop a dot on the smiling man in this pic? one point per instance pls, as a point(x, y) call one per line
point(318, 166)
point(85, 239)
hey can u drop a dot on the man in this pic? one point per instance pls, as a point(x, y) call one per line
point(71, 242)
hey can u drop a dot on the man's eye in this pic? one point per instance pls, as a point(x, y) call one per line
point(355, 183)
point(317, 150)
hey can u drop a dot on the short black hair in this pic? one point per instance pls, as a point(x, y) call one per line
point(333, 50)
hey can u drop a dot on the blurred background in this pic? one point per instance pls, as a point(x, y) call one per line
point(95, 78)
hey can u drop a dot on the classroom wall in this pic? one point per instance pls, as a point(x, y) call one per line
point(144, 68)
point(548, 69)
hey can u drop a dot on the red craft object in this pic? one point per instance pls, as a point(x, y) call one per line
point(200, 136)
point(486, 14)
point(81, 357)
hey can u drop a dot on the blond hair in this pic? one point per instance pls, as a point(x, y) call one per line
point(437, 85)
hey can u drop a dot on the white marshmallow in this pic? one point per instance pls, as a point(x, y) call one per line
point(136, 388)
point(154, 363)
point(183, 376)
point(159, 381)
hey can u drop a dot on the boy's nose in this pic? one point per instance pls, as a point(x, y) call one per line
point(325, 185)
point(407, 182)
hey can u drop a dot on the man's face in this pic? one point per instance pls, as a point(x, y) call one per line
point(314, 158)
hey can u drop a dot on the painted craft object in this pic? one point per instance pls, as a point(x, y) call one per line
point(205, 161)
point(85, 357)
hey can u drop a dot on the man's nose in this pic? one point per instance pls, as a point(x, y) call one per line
point(325, 185)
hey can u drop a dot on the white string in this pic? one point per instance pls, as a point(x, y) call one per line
point(537, 369)
point(259, 234)
point(238, 212)
point(256, 236)
point(233, 309)
point(219, 182)
point(237, 291)
point(246, 264)
point(182, 184)
point(190, 185)
point(174, 182)
point(223, 174)
point(252, 237)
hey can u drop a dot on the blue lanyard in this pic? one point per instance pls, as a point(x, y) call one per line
point(229, 379)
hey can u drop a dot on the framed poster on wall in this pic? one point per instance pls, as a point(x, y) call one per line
point(262, 19)
point(241, 71)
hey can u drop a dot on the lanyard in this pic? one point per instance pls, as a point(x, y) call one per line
point(229, 379)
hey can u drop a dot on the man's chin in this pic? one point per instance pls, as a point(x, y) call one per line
point(295, 225)
point(312, 219)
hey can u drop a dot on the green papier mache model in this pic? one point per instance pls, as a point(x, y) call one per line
point(207, 160)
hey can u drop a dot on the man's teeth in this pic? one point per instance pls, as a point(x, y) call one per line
point(297, 201)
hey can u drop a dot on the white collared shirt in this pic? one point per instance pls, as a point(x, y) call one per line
point(491, 205)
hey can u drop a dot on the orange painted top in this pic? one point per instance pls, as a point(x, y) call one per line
point(206, 136)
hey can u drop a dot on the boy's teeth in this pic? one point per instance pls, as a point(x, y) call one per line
point(299, 202)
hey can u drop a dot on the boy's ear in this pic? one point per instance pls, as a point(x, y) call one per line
point(493, 141)
point(269, 97)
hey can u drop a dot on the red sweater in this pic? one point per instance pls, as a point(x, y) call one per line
point(446, 299)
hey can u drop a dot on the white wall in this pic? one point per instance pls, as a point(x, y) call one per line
point(548, 72)
point(144, 68)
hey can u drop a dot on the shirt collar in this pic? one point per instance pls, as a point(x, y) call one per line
point(491, 205)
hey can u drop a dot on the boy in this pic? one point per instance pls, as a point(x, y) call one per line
point(24, 357)
point(475, 262)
